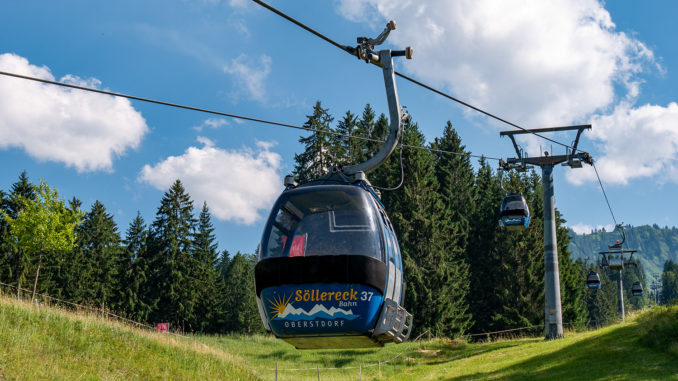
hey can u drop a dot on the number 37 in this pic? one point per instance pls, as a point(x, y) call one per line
point(366, 296)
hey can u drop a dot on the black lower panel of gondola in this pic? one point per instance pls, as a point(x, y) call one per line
point(351, 269)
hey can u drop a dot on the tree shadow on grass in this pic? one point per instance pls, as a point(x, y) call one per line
point(280, 355)
point(445, 353)
point(616, 355)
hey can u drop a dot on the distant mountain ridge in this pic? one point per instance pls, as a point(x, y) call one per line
point(655, 245)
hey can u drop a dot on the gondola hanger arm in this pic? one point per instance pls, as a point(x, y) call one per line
point(383, 58)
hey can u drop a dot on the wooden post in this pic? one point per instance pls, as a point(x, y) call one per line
point(276, 371)
point(37, 272)
point(361, 371)
point(379, 365)
point(317, 367)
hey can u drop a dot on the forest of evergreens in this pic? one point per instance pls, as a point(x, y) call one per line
point(464, 274)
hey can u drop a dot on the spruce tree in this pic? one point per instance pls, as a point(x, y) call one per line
point(455, 180)
point(99, 245)
point(223, 314)
point(134, 271)
point(346, 149)
point(205, 255)
point(669, 293)
point(434, 271)
point(572, 281)
point(364, 127)
point(242, 315)
point(484, 261)
point(317, 158)
point(171, 292)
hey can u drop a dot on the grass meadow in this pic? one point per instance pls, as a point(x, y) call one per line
point(39, 342)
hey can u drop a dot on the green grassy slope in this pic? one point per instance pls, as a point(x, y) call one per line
point(612, 353)
point(41, 343)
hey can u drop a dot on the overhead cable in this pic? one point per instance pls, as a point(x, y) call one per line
point(349, 50)
point(230, 115)
point(604, 194)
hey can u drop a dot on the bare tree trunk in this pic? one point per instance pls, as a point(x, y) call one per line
point(37, 272)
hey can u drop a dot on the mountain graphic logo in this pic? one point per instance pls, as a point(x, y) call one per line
point(317, 312)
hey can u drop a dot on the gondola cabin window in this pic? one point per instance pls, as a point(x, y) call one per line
point(324, 223)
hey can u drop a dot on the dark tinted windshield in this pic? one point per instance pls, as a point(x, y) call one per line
point(514, 204)
point(323, 220)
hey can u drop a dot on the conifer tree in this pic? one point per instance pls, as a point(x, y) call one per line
point(364, 128)
point(223, 314)
point(317, 158)
point(242, 315)
point(99, 245)
point(455, 181)
point(669, 293)
point(572, 281)
point(134, 271)
point(484, 262)
point(170, 292)
point(346, 149)
point(205, 254)
point(434, 271)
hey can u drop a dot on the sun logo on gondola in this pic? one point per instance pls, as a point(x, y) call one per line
point(278, 305)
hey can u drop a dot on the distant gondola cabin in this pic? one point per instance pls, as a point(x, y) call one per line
point(514, 212)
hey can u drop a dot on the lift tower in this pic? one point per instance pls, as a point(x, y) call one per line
point(614, 259)
point(553, 316)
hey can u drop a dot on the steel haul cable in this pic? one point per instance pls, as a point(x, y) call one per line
point(230, 115)
point(348, 49)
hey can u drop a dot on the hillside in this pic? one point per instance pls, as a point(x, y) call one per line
point(655, 245)
point(42, 343)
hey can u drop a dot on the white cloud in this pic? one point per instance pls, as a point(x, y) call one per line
point(212, 123)
point(239, 3)
point(634, 143)
point(582, 228)
point(236, 185)
point(240, 27)
point(537, 63)
point(80, 129)
point(250, 74)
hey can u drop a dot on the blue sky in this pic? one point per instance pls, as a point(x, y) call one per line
point(536, 63)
